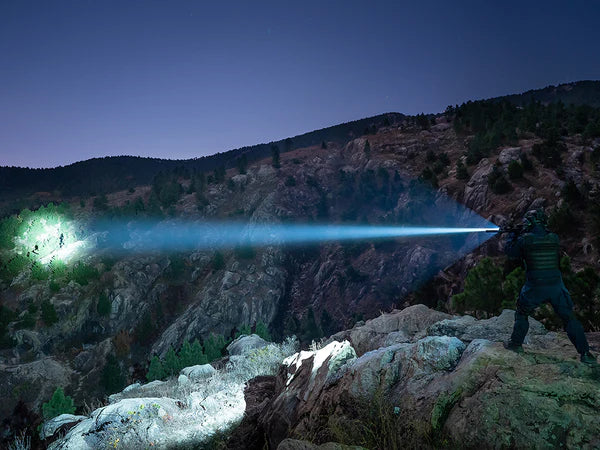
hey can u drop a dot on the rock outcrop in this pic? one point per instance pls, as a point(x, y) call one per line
point(448, 380)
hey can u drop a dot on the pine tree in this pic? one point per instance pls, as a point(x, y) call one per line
point(263, 331)
point(49, 315)
point(213, 346)
point(58, 404)
point(275, 156)
point(112, 376)
point(104, 306)
point(185, 354)
point(171, 364)
point(156, 370)
point(242, 164)
point(197, 354)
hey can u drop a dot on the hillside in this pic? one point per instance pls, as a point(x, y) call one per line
point(578, 93)
point(104, 175)
point(101, 320)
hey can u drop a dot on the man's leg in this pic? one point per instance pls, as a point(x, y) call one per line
point(524, 309)
point(563, 306)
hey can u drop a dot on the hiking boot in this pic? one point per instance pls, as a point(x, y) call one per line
point(589, 359)
point(517, 348)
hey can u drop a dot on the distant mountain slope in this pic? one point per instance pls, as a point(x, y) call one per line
point(577, 93)
point(102, 175)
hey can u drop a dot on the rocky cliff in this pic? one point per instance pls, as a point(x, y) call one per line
point(417, 378)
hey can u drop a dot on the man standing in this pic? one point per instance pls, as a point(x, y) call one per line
point(539, 251)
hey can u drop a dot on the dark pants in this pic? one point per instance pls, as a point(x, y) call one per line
point(534, 294)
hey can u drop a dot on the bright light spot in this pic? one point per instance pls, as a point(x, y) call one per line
point(63, 254)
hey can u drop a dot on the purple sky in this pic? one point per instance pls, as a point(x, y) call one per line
point(182, 79)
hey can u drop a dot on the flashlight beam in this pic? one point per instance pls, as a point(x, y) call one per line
point(207, 235)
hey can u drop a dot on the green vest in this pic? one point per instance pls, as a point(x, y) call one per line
point(541, 252)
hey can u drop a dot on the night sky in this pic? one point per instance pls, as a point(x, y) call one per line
point(182, 79)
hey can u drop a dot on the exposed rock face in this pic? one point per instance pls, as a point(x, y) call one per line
point(509, 154)
point(391, 328)
point(476, 190)
point(33, 382)
point(464, 384)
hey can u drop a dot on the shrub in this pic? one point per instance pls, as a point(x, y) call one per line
point(549, 152)
point(112, 378)
point(511, 287)
point(573, 195)
point(57, 405)
point(39, 272)
point(155, 370)
point(290, 181)
point(498, 183)
point(526, 163)
point(104, 306)
point(263, 331)
point(214, 346)
point(84, 273)
point(483, 289)
point(561, 219)
point(276, 163)
point(218, 261)
point(49, 315)
point(515, 170)
point(461, 171)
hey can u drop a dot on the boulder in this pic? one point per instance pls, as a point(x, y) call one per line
point(59, 423)
point(509, 154)
point(198, 372)
point(244, 344)
point(133, 421)
point(390, 328)
point(497, 328)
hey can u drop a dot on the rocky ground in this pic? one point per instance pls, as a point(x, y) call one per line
point(418, 378)
point(415, 378)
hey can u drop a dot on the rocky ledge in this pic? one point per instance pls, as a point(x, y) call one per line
point(418, 378)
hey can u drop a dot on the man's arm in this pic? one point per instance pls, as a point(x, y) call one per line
point(513, 247)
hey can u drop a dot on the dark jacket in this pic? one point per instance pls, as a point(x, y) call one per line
point(539, 252)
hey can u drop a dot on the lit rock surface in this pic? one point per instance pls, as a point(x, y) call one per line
point(50, 427)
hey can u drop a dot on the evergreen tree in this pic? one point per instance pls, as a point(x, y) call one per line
point(104, 306)
point(113, 379)
point(197, 353)
point(275, 156)
point(483, 289)
point(171, 365)
point(263, 331)
point(218, 261)
point(58, 404)
point(185, 354)
point(156, 370)
point(242, 164)
point(213, 346)
point(49, 315)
